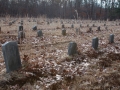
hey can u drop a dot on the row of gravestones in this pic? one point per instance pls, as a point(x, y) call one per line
point(12, 57)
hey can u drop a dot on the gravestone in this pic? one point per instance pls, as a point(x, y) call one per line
point(72, 48)
point(63, 32)
point(34, 28)
point(10, 23)
point(98, 28)
point(106, 28)
point(0, 29)
point(21, 35)
point(93, 25)
point(77, 31)
point(104, 24)
point(20, 28)
point(39, 33)
point(111, 38)
point(80, 25)
point(72, 26)
point(11, 56)
point(95, 42)
point(87, 25)
point(21, 21)
point(90, 29)
point(63, 26)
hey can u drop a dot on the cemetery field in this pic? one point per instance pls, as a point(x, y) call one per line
point(46, 64)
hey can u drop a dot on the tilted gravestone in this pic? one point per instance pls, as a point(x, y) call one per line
point(63, 32)
point(72, 48)
point(20, 28)
point(111, 38)
point(95, 42)
point(39, 33)
point(21, 35)
point(11, 56)
point(34, 28)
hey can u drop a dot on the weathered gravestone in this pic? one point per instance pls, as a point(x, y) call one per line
point(11, 56)
point(80, 25)
point(0, 29)
point(77, 31)
point(63, 32)
point(20, 28)
point(63, 26)
point(39, 33)
point(72, 26)
point(95, 42)
point(93, 25)
point(98, 29)
point(34, 28)
point(72, 48)
point(111, 38)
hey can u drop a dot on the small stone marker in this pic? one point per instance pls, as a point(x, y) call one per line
point(72, 26)
point(11, 56)
point(95, 42)
point(63, 32)
point(90, 29)
point(34, 28)
point(104, 24)
point(63, 26)
point(72, 48)
point(98, 28)
point(77, 31)
point(93, 25)
point(39, 33)
point(20, 28)
point(0, 29)
point(10, 23)
point(21, 35)
point(80, 25)
point(87, 25)
point(106, 28)
point(111, 38)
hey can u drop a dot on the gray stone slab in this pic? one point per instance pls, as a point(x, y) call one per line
point(72, 48)
point(20, 28)
point(63, 32)
point(95, 42)
point(34, 28)
point(39, 33)
point(111, 38)
point(11, 56)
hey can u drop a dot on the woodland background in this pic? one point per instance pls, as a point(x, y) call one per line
point(71, 9)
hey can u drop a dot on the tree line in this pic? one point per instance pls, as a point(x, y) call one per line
point(72, 9)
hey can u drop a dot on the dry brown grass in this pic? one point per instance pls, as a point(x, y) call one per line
point(46, 65)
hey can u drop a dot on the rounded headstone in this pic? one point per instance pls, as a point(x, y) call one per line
point(72, 48)
point(39, 33)
point(11, 56)
point(34, 28)
point(72, 26)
